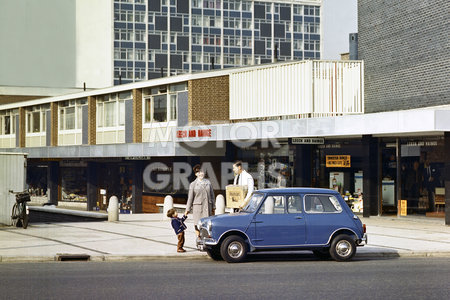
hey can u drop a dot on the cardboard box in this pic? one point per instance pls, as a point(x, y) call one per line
point(235, 195)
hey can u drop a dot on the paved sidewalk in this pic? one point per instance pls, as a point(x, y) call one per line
point(147, 236)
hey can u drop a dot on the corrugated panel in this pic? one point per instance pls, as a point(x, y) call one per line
point(12, 177)
point(308, 87)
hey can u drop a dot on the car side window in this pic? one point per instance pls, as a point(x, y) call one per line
point(273, 205)
point(322, 204)
point(294, 204)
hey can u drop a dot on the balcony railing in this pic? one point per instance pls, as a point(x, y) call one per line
point(297, 90)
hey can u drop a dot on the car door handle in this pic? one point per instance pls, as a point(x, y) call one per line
point(299, 217)
point(257, 221)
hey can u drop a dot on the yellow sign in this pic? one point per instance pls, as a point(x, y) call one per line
point(338, 161)
point(403, 206)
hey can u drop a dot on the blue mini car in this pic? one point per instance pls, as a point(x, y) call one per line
point(285, 219)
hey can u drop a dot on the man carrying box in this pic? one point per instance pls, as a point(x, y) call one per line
point(243, 178)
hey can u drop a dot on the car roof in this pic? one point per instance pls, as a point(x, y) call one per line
point(303, 190)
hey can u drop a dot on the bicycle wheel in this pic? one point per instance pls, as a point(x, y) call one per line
point(24, 216)
point(14, 215)
point(19, 215)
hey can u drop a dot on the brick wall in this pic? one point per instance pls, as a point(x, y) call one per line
point(54, 122)
point(404, 45)
point(137, 116)
point(208, 100)
point(92, 125)
point(22, 129)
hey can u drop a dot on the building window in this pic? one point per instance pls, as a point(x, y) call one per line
point(246, 24)
point(312, 28)
point(8, 121)
point(196, 3)
point(160, 103)
point(298, 45)
point(246, 5)
point(196, 20)
point(140, 54)
point(297, 27)
point(139, 17)
point(234, 5)
point(312, 45)
point(71, 114)
point(139, 36)
point(196, 39)
point(111, 109)
point(298, 9)
point(35, 118)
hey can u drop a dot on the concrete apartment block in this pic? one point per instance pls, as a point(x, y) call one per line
point(404, 45)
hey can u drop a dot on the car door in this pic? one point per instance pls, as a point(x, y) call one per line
point(279, 222)
point(324, 215)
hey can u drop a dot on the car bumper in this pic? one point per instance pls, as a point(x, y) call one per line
point(205, 243)
point(364, 240)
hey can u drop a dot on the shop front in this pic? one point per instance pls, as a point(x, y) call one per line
point(418, 177)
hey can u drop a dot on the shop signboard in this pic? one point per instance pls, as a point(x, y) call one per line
point(338, 161)
point(315, 141)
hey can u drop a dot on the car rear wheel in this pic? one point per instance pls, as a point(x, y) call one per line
point(234, 249)
point(343, 248)
point(214, 253)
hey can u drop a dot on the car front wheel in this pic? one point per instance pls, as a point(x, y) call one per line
point(234, 249)
point(343, 248)
point(214, 253)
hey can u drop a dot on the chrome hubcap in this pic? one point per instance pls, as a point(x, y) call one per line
point(343, 248)
point(235, 249)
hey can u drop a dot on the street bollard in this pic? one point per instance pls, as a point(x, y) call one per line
point(220, 205)
point(113, 209)
point(168, 204)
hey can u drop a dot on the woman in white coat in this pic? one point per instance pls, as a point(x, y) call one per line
point(200, 198)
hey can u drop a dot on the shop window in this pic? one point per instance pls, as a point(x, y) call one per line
point(73, 184)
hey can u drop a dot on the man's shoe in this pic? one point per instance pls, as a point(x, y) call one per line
point(181, 250)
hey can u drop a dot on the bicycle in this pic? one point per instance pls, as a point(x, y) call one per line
point(19, 215)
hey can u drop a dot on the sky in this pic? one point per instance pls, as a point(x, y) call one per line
point(340, 18)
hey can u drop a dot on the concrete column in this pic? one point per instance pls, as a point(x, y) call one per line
point(303, 166)
point(137, 188)
point(92, 185)
point(53, 182)
point(371, 187)
point(447, 177)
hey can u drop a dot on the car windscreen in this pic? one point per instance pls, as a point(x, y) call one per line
point(254, 202)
